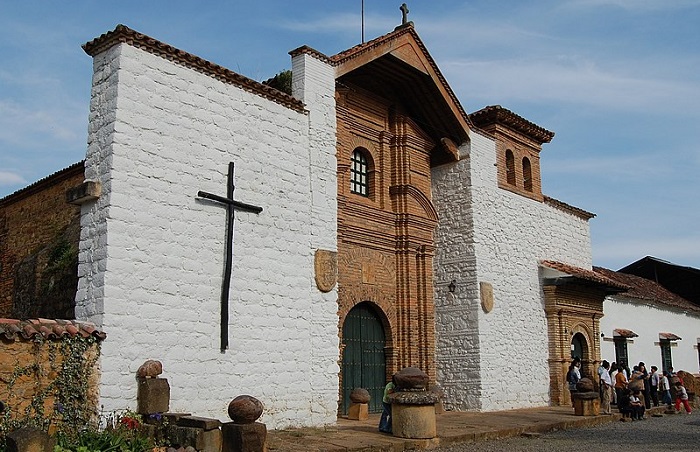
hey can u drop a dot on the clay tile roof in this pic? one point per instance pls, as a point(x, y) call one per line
point(568, 208)
point(41, 184)
point(620, 332)
point(582, 273)
point(47, 329)
point(497, 114)
point(669, 336)
point(646, 289)
point(124, 34)
point(369, 45)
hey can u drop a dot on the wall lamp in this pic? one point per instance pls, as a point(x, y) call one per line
point(452, 286)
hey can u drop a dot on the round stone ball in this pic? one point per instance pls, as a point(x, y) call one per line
point(411, 379)
point(359, 395)
point(150, 369)
point(585, 385)
point(245, 409)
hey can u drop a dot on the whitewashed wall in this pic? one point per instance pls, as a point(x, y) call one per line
point(648, 320)
point(151, 254)
point(509, 235)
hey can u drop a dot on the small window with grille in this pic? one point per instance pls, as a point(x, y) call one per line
point(359, 173)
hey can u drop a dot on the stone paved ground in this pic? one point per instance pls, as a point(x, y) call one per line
point(676, 433)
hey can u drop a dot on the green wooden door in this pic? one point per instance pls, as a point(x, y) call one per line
point(363, 357)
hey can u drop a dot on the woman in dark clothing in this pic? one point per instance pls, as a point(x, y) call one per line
point(647, 385)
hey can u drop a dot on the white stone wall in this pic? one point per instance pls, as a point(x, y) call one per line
point(152, 254)
point(511, 233)
point(648, 320)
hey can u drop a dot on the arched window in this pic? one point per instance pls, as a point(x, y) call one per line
point(359, 173)
point(510, 167)
point(527, 174)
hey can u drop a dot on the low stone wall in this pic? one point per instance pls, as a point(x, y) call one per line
point(48, 373)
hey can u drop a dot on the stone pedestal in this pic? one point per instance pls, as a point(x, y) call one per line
point(153, 395)
point(586, 403)
point(202, 440)
point(413, 414)
point(244, 437)
point(358, 411)
point(29, 439)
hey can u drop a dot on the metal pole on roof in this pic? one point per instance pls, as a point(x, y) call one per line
point(363, 21)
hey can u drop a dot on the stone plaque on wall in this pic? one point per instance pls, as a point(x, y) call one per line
point(486, 293)
point(326, 269)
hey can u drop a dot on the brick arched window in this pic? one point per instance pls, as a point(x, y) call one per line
point(527, 174)
point(360, 172)
point(510, 167)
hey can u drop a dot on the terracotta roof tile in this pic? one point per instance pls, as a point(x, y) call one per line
point(582, 273)
point(39, 185)
point(34, 329)
point(568, 208)
point(669, 336)
point(621, 332)
point(124, 34)
point(646, 289)
point(498, 114)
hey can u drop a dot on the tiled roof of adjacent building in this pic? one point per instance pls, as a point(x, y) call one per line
point(46, 329)
point(65, 173)
point(582, 273)
point(646, 289)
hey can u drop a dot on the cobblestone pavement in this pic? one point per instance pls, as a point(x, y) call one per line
point(679, 432)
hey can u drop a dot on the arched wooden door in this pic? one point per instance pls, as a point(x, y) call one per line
point(579, 347)
point(364, 363)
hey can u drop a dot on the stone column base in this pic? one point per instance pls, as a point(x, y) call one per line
point(586, 403)
point(413, 421)
point(358, 412)
point(244, 437)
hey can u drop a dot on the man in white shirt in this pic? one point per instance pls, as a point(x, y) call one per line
point(605, 387)
point(654, 381)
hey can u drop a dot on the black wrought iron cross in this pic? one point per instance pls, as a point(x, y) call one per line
point(231, 207)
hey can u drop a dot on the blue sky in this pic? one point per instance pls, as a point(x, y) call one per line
point(618, 81)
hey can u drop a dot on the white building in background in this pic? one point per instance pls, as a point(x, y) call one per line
point(649, 323)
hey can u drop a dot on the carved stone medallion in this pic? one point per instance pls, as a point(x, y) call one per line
point(326, 268)
point(486, 293)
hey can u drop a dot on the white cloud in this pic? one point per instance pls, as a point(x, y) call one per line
point(9, 178)
point(637, 5)
point(616, 253)
point(568, 79)
point(22, 126)
point(631, 167)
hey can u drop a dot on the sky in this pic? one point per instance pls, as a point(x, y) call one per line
point(618, 81)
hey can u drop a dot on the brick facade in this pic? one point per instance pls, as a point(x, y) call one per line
point(37, 229)
point(572, 309)
point(385, 239)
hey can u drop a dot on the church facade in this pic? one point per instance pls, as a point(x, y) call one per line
point(395, 230)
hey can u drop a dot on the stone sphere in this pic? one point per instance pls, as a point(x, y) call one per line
point(245, 409)
point(585, 385)
point(150, 368)
point(359, 395)
point(411, 379)
point(636, 385)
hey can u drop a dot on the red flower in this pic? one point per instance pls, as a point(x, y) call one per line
point(130, 423)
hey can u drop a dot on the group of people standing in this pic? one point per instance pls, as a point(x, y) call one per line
point(634, 392)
